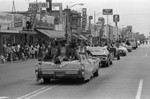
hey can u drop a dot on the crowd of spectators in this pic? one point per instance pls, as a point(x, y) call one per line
point(20, 52)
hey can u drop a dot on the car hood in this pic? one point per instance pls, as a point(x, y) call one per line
point(64, 65)
point(98, 51)
point(123, 48)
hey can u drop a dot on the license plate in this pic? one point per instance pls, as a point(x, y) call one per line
point(60, 73)
point(47, 72)
point(71, 72)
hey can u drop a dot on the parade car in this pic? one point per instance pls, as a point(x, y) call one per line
point(115, 52)
point(133, 43)
point(123, 51)
point(128, 47)
point(81, 68)
point(102, 53)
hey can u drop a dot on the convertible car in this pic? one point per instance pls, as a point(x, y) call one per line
point(115, 52)
point(128, 47)
point(102, 53)
point(82, 68)
point(123, 51)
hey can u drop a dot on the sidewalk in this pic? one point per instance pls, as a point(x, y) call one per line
point(16, 61)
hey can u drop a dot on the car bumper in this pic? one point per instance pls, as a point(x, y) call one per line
point(61, 73)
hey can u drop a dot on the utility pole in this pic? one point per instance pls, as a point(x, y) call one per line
point(13, 7)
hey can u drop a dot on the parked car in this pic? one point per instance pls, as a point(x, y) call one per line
point(79, 68)
point(102, 53)
point(123, 51)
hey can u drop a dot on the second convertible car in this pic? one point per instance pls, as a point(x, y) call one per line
point(82, 68)
point(102, 53)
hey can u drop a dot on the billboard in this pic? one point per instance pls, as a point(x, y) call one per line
point(10, 21)
point(107, 11)
point(6, 20)
point(44, 21)
point(40, 5)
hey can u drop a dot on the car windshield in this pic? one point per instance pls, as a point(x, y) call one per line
point(97, 50)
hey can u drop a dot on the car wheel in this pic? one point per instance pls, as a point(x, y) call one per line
point(125, 54)
point(96, 73)
point(118, 57)
point(107, 64)
point(46, 80)
point(100, 64)
point(111, 63)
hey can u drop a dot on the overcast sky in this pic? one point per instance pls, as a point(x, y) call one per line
point(132, 12)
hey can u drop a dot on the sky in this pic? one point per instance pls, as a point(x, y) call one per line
point(132, 12)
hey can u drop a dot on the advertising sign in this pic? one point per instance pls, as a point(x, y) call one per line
point(40, 5)
point(18, 20)
point(107, 11)
point(44, 22)
point(6, 20)
point(116, 18)
point(84, 18)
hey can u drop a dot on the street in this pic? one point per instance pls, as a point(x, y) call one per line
point(128, 78)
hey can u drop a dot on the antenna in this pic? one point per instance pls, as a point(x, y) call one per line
point(13, 7)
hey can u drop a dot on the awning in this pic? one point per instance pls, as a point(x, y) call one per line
point(76, 36)
point(83, 37)
point(53, 33)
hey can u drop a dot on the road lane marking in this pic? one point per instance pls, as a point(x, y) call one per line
point(146, 54)
point(41, 92)
point(37, 92)
point(4, 97)
point(139, 91)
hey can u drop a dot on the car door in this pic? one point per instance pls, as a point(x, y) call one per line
point(89, 68)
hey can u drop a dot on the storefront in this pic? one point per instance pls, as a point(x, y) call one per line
point(8, 37)
point(46, 36)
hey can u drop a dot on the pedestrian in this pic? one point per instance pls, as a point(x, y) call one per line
point(9, 52)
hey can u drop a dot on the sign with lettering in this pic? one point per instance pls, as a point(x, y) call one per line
point(107, 11)
point(39, 5)
point(116, 18)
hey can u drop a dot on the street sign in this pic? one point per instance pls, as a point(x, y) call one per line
point(107, 11)
point(116, 18)
point(40, 5)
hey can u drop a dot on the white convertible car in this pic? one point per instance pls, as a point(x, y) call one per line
point(80, 68)
point(123, 50)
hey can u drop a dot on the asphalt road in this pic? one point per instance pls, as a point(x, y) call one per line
point(128, 78)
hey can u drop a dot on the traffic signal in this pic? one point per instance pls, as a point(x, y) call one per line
point(28, 25)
